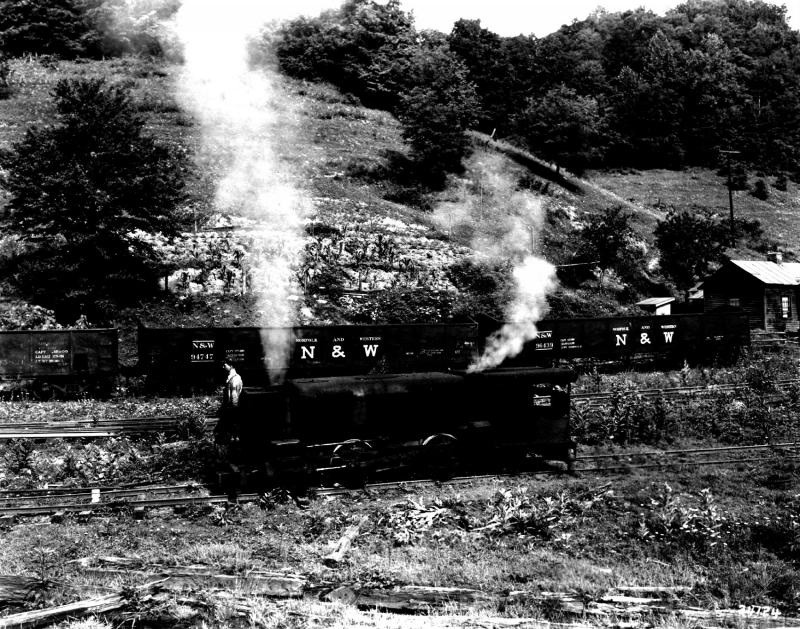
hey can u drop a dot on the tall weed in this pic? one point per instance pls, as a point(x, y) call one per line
point(677, 521)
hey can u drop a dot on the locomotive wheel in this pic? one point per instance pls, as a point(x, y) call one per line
point(352, 455)
point(440, 455)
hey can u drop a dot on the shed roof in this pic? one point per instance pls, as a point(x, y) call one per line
point(786, 273)
point(655, 301)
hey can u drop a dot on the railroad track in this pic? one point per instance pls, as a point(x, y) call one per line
point(87, 499)
point(20, 503)
point(98, 429)
point(94, 429)
point(725, 455)
point(598, 397)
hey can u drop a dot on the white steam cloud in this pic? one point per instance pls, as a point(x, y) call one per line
point(246, 119)
point(503, 222)
point(249, 123)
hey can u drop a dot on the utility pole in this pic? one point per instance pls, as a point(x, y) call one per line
point(728, 155)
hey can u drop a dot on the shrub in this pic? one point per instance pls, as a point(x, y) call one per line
point(5, 77)
point(19, 455)
point(679, 521)
point(760, 190)
point(628, 418)
point(738, 176)
point(484, 287)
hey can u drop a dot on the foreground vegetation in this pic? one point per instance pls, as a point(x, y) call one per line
point(682, 529)
point(675, 529)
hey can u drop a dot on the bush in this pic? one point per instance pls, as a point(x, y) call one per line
point(5, 77)
point(781, 182)
point(760, 190)
point(738, 176)
point(484, 287)
point(680, 522)
point(628, 418)
point(19, 315)
point(401, 305)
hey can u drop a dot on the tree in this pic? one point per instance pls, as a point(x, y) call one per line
point(563, 127)
point(81, 194)
point(49, 27)
point(688, 244)
point(363, 48)
point(609, 240)
point(436, 112)
point(484, 55)
point(646, 108)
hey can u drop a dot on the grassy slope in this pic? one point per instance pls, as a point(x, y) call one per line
point(693, 188)
point(337, 137)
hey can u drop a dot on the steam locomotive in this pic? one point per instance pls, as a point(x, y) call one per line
point(353, 427)
point(366, 401)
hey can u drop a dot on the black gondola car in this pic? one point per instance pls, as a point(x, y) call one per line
point(190, 358)
point(60, 363)
point(698, 338)
point(186, 359)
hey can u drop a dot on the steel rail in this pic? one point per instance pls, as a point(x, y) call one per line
point(92, 493)
point(617, 468)
point(92, 429)
point(133, 497)
point(670, 391)
point(24, 510)
point(656, 453)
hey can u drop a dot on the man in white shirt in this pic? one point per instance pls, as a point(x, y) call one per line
point(233, 387)
point(226, 426)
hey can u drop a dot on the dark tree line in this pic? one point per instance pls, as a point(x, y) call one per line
point(647, 91)
point(82, 28)
point(624, 89)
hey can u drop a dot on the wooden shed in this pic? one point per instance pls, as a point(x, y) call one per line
point(657, 305)
point(767, 291)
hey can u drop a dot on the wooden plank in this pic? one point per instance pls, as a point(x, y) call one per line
point(271, 584)
point(420, 598)
point(51, 615)
point(15, 590)
point(409, 598)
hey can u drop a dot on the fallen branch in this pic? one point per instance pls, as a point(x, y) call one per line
point(334, 558)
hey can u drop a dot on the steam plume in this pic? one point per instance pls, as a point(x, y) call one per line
point(246, 119)
point(503, 222)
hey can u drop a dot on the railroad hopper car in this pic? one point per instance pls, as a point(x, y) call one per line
point(190, 358)
point(692, 337)
point(58, 363)
point(376, 425)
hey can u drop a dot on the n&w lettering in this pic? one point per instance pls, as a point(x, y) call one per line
point(370, 350)
point(307, 352)
point(668, 336)
point(622, 339)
